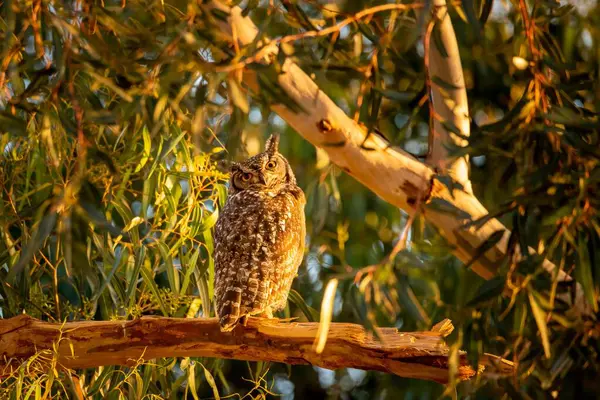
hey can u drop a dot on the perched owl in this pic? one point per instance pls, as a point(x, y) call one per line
point(259, 238)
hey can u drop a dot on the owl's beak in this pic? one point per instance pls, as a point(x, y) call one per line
point(262, 179)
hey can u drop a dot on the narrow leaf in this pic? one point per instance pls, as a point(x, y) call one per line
point(149, 281)
point(489, 290)
point(211, 383)
point(147, 149)
point(326, 315)
point(310, 313)
point(39, 237)
point(540, 319)
point(583, 273)
point(489, 243)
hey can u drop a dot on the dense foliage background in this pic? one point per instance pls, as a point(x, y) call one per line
point(117, 120)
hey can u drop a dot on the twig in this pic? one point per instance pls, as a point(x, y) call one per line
point(266, 50)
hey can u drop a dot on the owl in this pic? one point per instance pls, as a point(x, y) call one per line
point(259, 238)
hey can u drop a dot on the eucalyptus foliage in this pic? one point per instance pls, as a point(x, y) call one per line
point(116, 121)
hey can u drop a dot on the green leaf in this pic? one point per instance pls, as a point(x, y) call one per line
point(37, 240)
point(410, 303)
point(202, 285)
point(211, 383)
point(583, 273)
point(444, 206)
point(101, 380)
point(443, 84)
point(191, 267)
point(207, 223)
point(489, 290)
point(472, 18)
point(11, 124)
point(149, 281)
point(192, 380)
point(222, 194)
point(157, 158)
point(120, 260)
point(147, 149)
point(540, 319)
point(94, 215)
point(486, 9)
point(400, 97)
point(211, 276)
point(310, 313)
point(140, 257)
point(147, 194)
point(438, 41)
point(488, 244)
point(172, 273)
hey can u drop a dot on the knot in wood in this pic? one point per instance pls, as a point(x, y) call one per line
point(324, 126)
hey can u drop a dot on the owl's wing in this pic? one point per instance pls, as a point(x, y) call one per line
point(291, 244)
point(282, 250)
point(227, 293)
point(236, 272)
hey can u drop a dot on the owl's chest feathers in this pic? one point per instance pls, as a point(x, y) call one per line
point(258, 223)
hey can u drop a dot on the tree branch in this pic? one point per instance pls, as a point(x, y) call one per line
point(450, 104)
point(391, 173)
point(451, 111)
point(86, 344)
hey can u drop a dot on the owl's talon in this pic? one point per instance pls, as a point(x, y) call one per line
point(244, 321)
point(267, 313)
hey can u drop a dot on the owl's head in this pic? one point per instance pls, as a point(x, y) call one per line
point(268, 171)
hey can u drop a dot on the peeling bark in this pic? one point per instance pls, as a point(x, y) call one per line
point(86, 344)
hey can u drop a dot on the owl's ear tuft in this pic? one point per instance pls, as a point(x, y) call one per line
point(272, 145)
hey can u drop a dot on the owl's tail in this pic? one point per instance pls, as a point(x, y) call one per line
point(229, 314)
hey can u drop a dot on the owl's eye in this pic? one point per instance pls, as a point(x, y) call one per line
point(271, 164)
point(246, 177)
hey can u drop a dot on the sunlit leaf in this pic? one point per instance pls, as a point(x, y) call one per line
point(147, 149)
point(326, 315)
point(540, 319)
point(211, 383)
point(238, 96)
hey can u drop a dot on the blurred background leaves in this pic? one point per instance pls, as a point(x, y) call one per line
point(117, 123)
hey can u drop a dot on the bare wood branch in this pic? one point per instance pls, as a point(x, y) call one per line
point(451, 109)
point(449, 103)
point(391, 173)
point(85, 344)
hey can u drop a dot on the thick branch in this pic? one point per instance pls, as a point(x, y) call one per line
point(449, 103)
point(451, 111)
point(421, 355)
point(391, 173)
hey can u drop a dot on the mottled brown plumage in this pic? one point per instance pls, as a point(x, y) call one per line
point(259, 238)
